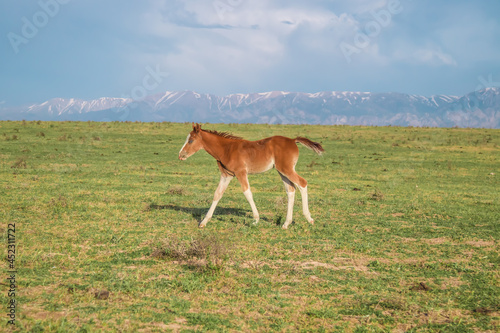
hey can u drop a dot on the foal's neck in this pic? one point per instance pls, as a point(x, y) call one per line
point(215, 145)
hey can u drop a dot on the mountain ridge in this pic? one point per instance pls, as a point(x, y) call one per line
point(477, 109)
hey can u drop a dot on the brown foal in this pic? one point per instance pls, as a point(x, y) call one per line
point(237, 157)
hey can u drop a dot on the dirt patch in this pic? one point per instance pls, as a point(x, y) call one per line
point(314, 264)
point(440, 317)
point(44, 315)
point(407, 240)
point(486, 311)
point(437, 241)
point(362, 214)
point(130, 267)
point(314, 278)
point(420, 287)
point(481, 243)
point(253, 264)
point(177, 326)
point(160, 277)
point(354, 266)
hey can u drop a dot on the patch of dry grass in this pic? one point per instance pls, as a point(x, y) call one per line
point(205, 252)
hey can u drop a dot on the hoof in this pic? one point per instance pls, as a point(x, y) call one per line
point(312, 222)
point(201, 225)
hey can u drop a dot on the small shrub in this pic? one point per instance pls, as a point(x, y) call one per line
point(8, 138)
point(60, 202)
point(312, 164)
point(377, 195)
point(205, 253)
point(20, 163)
point(101, 294)
point(170, 247)
point(176, 190)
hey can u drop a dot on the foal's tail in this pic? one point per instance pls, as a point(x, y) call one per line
point(310, 144)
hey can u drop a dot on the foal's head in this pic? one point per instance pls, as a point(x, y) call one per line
point(193, 143)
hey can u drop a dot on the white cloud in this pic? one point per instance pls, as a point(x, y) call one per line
point(242, 44)
point(250, 43)
point(434, 57)
point(422, 55)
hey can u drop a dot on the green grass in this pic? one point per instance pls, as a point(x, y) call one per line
point(395, 208)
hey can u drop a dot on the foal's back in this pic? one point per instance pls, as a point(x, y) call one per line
point(262, 155)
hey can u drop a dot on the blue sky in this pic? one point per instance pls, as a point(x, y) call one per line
point(90, 49)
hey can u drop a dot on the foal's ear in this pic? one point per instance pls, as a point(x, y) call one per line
point(196, 128)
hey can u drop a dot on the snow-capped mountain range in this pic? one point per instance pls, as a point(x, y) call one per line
point(477, 109)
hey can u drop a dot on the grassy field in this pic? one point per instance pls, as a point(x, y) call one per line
point(406, 236)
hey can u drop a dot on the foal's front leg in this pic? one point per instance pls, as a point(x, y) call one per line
point(243, 179)
point(224, 182)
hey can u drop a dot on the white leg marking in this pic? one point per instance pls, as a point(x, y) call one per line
point(289, 213)
point(223, 183)
point(248, 195)
point(290, 192)
point(305, 204)
point(209, 214)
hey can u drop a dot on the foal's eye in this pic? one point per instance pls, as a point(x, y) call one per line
point(190, 141)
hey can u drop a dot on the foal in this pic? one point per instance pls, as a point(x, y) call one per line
point(238, 157)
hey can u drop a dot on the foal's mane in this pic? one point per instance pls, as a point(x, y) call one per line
point(223, 134)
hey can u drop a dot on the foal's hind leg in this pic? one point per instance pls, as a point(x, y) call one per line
point(224, 182)
point(290, 192)
point(302, 185)
point(305, 204)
